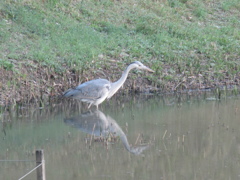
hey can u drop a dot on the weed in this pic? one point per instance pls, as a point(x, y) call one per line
point(6, 64)
point(200, 12)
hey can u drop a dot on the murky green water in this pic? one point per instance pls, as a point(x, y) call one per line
point(141, 137)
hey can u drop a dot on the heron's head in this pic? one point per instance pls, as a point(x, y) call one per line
point(139, 65)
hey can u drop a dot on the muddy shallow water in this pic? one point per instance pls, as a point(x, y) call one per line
point(134, 137)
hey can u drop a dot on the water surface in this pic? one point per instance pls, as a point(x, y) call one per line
point(134, 137)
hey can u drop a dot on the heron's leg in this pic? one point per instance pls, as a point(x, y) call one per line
point(89, 105)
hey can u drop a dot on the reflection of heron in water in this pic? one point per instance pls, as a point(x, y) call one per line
point(98, 124)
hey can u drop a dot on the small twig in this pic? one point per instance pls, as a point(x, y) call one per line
point(92, 134)
point(175, 88)
point(183, 138)
point(164, 146)
point(164, 134)
point(170, 135)
point(137, 139)
point(126, 127)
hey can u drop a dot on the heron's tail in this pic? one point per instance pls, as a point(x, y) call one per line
point(69, 93)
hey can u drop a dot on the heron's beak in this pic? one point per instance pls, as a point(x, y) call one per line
point(148, 69)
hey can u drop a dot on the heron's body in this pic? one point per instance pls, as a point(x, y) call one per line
point(93, 92)
point(97, 90)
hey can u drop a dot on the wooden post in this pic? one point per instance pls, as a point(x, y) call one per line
point(41, 169)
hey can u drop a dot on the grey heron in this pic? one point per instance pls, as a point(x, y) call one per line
point(97, 90)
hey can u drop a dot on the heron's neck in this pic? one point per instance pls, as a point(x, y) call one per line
point(116, 85)
point(124, 76)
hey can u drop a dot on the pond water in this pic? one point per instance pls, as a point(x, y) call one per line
point(132, 137)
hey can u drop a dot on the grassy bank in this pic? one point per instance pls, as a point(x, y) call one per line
point(48, 46)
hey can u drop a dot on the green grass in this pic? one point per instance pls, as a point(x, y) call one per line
point(183, 37)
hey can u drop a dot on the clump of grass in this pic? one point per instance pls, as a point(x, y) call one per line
point(6, 64)
point(228, 5)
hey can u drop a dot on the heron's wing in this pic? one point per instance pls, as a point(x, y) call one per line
point(93, 89)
